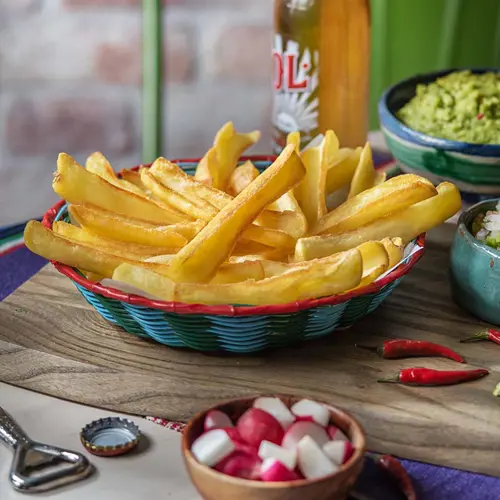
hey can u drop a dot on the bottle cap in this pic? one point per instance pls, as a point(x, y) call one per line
point(109, 437)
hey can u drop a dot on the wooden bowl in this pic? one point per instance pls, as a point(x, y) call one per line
point(213, 485)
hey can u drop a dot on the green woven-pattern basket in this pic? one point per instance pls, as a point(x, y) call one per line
point(238, 329)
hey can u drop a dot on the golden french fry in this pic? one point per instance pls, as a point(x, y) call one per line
point(194, 211)
point(312, 188)
point(380, 177)
point(406, 224)
point(98, 164)
point(128, 250)
point(323, 277)
point(220, 161)
point(395, 250)
point(287, 204)
point(364, 175)
point(77, 185)
point(125, 229)
point(133, 177)
point(341, 169)
point(237, 272)
point(44, 242)
point(218, 237)
point(274, 223)
point(392, 196)
point(241, 177)
point(294, 138)
point(375, 261)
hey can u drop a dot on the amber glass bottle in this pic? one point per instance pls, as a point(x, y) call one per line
point(321, 69)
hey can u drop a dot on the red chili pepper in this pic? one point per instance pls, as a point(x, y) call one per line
point(396, 469)
point(480, 116)
point(427, 376)
point(401, 348)
point(490, 334)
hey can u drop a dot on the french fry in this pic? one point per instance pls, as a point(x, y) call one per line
point(241, 177)
point(218, 237)
point(218, 164)
point(44, 242)
point(392, 196)
point(312, 188)
point(178, 201)
point(375, 261)
point(134, 177)
point(406, 224)
point(288, 204)
point(342, 168)
point(77, 185)
point(231, 272)
point(131, 251)
point(380, 177)
point(324, 277)
point(130, 230)
point(294, 138)
point(274, 223)
point(395, 250)
point(98, 164)
point(364, 175)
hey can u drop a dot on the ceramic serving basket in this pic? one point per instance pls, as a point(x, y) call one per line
point(473, 168)
point(213, 485)
point(475, 268)
point(238, 329)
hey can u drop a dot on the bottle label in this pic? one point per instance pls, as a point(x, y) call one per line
point(295, 92)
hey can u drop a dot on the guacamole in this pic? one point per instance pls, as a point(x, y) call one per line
point(461, 106)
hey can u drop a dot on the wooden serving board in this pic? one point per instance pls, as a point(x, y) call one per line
point(53, 342)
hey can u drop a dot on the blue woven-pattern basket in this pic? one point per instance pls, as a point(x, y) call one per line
point(238, 329)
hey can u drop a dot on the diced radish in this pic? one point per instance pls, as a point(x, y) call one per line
point(339, 452)
point(300, 429)
point(313, 462)
point(270, 450)
point(242, 465)
point(273, 470)
point(277, 409)
point(233, 433)
point(336, 434)
point(212, 447)
point(216, 419)
point(307, 408)
point(256, 425)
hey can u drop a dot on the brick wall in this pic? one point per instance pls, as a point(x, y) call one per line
point(70, 81)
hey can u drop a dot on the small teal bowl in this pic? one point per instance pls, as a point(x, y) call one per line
point(473, 168)
point(475, 269)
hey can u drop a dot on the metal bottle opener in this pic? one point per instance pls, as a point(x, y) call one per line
point(37, 466)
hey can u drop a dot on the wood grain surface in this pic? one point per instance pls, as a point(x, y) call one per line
point(53, 342)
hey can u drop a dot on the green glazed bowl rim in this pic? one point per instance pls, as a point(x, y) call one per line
point(462, 227)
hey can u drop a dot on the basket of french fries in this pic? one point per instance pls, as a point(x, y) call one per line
point(238, 254)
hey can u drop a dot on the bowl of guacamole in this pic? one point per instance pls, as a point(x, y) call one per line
point(446, 126)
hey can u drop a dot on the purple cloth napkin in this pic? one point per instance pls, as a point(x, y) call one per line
point(432, 482)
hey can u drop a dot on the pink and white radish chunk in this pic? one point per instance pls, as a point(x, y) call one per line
point(307, 409)
point(313, 463)
point(336, 434)
point(212, 447)
point(300, 429)
point(242, 465)
point(216, 419)
point(256, 425)
point(273, 470)
point(277, 409)
point(270, 450)
point(339, 452)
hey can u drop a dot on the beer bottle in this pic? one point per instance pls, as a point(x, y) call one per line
point(321, 70)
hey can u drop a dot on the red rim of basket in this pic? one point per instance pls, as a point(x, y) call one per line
point(227, 310)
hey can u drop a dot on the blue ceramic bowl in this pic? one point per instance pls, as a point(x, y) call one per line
point(475, 268)
point(473, 168)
